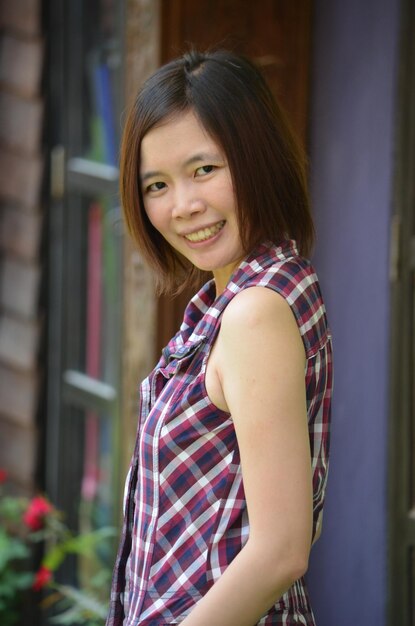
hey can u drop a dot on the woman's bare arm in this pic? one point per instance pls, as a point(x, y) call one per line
point(260, 362)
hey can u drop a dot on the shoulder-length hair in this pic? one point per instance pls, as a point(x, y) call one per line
point(268, 168)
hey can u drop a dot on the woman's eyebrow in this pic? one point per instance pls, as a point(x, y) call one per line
point(151, 174)
point(203, 156)
point(195, 158)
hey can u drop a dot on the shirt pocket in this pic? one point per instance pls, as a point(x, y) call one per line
point(177, 363)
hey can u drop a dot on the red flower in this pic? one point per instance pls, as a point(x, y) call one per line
point(3, 476)
point(37, 510)
point(42, 577)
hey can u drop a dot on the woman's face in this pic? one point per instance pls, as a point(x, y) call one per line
point(188, 195)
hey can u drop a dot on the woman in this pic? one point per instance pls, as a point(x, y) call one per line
point(226, 486)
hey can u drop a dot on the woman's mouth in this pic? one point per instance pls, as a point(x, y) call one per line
point(205, 233)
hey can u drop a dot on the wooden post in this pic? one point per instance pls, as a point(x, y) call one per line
point(142, 58)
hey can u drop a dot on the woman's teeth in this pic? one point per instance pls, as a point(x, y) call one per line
point(205, 233)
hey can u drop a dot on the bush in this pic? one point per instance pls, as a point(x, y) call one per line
point(23, 524)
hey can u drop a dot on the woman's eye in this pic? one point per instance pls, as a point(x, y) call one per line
point(204, 169)
point(155, 187)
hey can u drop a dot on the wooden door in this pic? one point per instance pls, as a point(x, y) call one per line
point(276, 33)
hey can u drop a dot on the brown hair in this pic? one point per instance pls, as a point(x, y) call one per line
point(234, 104)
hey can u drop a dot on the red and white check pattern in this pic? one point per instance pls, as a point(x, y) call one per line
point(185, 511)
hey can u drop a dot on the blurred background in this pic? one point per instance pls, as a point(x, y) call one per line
point(80, 325)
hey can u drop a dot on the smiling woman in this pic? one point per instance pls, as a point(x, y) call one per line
point(240, 118)
point(188, 195)
point(226, 487)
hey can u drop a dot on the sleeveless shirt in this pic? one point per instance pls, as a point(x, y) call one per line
point(185, 516)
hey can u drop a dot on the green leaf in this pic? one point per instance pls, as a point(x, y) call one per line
point(54, 557)
point(70, 616)
point(84, 601)
point(39, 535)
point(11, 549)
point(12, 508)
point(86, 543)
point(25, 580)
point(101, 578)
point(11, 582)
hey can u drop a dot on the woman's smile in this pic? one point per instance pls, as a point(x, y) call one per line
point(206, 233)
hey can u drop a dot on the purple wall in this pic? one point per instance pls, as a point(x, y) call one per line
point(352, 142)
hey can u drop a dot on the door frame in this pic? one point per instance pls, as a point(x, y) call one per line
point(401, 501)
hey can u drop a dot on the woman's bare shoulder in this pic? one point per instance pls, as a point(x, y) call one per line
point(257, 306)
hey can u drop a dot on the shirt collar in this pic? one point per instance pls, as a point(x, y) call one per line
point(205, 308)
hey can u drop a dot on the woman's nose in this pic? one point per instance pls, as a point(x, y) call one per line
point(187, 204)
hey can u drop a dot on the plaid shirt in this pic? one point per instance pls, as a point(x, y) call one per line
point(185, 511)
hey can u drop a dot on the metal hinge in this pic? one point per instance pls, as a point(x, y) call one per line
point(57, 172)
point(86, 392)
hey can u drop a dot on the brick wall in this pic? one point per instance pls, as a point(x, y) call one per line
point(21, 171)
